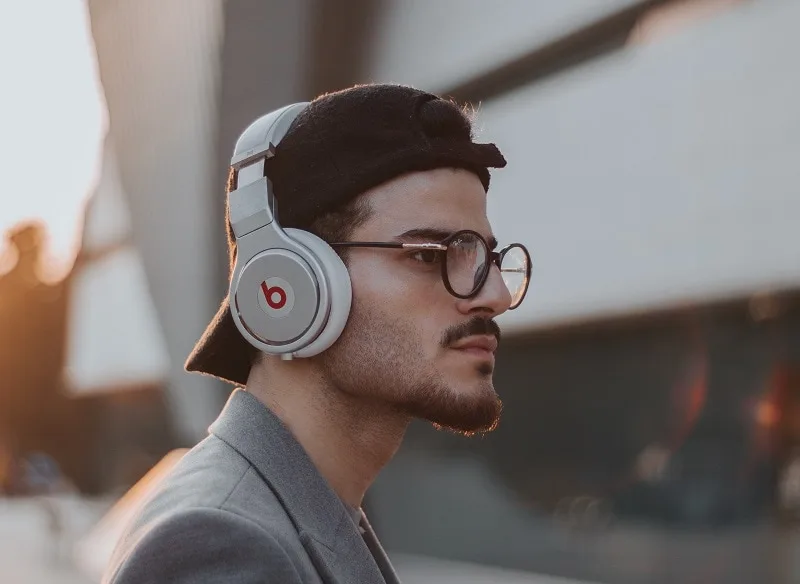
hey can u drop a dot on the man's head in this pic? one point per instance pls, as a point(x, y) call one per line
point(388, 164)
point(409, 342)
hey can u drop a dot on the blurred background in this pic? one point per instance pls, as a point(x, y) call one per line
point(651, 380)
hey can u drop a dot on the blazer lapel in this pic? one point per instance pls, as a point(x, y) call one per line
point(336, 566)
point(377, 551)
point(326, 530)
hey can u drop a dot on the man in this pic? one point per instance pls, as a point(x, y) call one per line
point(274, 493)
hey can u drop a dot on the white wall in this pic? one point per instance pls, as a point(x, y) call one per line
point(664, 174)
point(436, 44)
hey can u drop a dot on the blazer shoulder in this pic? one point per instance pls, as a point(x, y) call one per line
point(203, 545)
point(204, 477)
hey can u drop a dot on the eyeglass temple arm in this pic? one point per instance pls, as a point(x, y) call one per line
point(389, 244)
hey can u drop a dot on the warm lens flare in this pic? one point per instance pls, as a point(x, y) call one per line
point(53, 117)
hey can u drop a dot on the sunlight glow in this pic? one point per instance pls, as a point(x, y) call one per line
point(53, 117)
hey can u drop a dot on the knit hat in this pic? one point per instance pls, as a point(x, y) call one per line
point(341, 145)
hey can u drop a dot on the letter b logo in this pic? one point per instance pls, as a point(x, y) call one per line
point(275, 297)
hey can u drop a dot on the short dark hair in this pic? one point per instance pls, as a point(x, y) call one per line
point(339, 224)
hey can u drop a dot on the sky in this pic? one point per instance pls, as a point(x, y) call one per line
point(53, 117)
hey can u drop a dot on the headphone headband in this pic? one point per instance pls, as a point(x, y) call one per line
point(247, 206)
point(261, 137)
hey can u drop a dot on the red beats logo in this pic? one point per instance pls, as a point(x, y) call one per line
point(275, 296)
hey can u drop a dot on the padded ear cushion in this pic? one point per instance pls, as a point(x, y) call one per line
point(341, 292)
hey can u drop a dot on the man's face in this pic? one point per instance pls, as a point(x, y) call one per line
point(409, 343)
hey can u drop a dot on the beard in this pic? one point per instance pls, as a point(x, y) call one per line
point(377, 359)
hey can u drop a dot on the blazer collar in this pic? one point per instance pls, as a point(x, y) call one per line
point(326, 529)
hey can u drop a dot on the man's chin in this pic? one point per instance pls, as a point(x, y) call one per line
point(466, 427)
point(464, 414)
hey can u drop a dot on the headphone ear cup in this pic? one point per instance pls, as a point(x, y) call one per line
point(341, 292)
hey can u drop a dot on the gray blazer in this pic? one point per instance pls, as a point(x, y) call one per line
point(247, 505)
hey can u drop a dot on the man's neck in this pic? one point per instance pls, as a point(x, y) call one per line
point(348, 439)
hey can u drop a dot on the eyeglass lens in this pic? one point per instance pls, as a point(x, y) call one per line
point(515, 271)
point(467, 263)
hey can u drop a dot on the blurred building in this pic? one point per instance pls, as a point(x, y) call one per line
point(651, 375)
point(159, 67)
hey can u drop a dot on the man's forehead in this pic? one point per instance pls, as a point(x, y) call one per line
point(442, 199)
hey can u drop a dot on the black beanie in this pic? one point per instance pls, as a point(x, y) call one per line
point(341, 145)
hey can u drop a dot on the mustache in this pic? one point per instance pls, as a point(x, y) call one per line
point(475, 326)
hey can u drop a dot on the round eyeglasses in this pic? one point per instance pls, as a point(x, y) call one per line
point(466, 260)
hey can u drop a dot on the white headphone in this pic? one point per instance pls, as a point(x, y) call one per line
point(290, 292)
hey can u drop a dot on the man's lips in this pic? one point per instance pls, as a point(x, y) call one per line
point(480, 342)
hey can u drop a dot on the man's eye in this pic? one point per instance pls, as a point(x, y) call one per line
point(427, 256)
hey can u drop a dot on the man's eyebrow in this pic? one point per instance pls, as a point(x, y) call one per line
point(435, 235)
point(425, 234)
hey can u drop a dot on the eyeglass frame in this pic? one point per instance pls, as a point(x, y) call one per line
point(494, 257)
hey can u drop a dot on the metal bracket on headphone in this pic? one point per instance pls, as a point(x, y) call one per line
point(251, 204)
point(248, 210)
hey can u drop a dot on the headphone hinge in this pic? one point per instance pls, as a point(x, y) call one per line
point(250, 208)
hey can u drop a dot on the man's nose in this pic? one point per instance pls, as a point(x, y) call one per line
point(493, 299)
